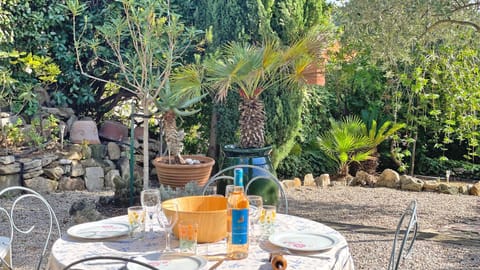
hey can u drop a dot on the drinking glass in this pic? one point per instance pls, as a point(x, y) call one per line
point(187, 236)
point(255, 210)
point(168, 222)
point(150, 199)
point(267, 220)
point(136, 220)
point(228, 190)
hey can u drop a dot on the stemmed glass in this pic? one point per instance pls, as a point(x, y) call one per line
point(255, 210)
point(150, 199)
point(168, 222)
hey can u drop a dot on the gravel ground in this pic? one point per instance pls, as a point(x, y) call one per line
point(449, 235)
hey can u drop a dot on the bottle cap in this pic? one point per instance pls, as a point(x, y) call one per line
point(238, 177)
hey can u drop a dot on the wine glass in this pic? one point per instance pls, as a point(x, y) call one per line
point(150, 199)
point(168, 221)
point(255, 210)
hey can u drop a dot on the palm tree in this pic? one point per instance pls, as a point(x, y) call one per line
point(346, 143)
point(182, 92)
point(250, 70)
point(377, 135)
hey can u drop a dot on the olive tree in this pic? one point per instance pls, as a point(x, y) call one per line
point(146, 41)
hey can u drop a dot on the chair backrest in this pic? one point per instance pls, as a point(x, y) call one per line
point(227, 174)
point(405, 234)
point(23, 193)
point(110, 258)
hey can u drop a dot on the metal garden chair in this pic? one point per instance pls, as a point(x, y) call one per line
point(405, 234)
point(110, 258)
point(24, 193)
point(227, 174)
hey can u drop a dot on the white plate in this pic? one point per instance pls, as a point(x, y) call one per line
point(98, 230)
point(169, 261)
point(303, 241)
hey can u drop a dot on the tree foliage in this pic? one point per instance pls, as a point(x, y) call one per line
point(426, 50)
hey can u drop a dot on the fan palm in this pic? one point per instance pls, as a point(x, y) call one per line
point(377, 135)
point(346, 143)
point(251, 70)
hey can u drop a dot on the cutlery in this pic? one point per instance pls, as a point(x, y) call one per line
point(217, 264)
point(285, 251)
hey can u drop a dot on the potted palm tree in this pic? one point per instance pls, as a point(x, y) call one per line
point(183, 91)
point(145, 43)
point(250, 71)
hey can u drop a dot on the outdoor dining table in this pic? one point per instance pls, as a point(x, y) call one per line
point(69, 249)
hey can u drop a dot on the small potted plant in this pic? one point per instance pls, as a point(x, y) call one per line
point(174, 169)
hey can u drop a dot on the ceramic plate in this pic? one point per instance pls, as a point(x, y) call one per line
point(98, 230)
point(303, 241)
point(169, 262)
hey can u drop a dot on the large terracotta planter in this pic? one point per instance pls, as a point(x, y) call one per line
point(177, 175)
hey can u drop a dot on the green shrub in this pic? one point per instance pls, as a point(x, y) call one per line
point(438, 167)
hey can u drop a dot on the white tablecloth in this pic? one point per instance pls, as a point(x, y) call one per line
point(67, 249)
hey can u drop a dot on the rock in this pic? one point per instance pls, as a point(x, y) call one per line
point(61, 112)
point(308, 180)
point(463, 189)
point(410, 183)
point(108, 165)
point(84, 211)
point(475, 189)
point(31, 164)
point(48, 159)
point(6, 160)
point(32, 173)
point(97, 151)
point(124, 166)
point(342, 182)
point(65, 161)
point(288, 184)
point(77, 169)
point(8, 120)
point(297, 182)
point(90, 162)
point(12, 168)
point(110, 178)
point(41, 185)
point(54, 173)
point(447, 189)
point(388, 178)
point(323, 180)
point(430, 185)
point(68, 183)
point(113, 151)
point(74, 155)
point(10, 180)
point(363, 178)
point(94, 178)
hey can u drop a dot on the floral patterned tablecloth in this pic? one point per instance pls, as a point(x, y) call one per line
point(67, 249)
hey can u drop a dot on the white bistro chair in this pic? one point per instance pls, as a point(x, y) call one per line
point(405, 236)
point(227, 174)
point(14, 225)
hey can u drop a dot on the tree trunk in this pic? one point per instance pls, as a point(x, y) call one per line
point(146, 158)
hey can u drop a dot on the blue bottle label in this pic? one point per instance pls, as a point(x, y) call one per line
point(239, 226)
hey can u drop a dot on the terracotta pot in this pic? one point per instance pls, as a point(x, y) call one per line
point(113, 130)
point(84, 130)
point(177, 175)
